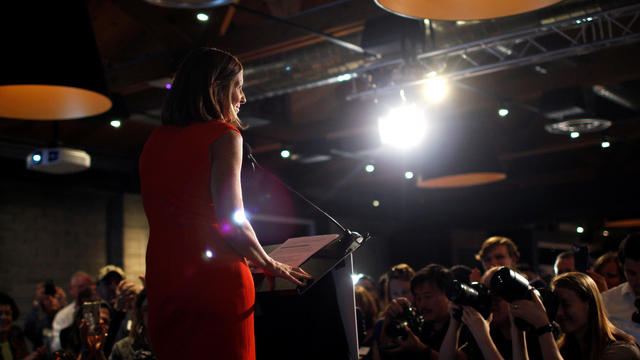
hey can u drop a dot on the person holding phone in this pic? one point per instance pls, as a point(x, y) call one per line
point(199, 286)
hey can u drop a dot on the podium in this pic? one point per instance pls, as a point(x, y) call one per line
point(314, 321)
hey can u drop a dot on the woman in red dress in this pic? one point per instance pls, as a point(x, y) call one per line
point(200, 290)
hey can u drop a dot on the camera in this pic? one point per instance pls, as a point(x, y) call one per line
point(475, 295)
point(410, 318)
point(511, 286)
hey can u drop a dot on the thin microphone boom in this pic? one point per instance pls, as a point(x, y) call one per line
point(254, 164)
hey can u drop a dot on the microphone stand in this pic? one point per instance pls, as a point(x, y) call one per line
point(355, 238)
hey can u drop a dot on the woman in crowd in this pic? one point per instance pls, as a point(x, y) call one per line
point(200, 289)
point(12, 341)
point(587, 333)
point(609, 266)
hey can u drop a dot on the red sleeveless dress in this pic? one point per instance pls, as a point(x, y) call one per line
point(200, 292)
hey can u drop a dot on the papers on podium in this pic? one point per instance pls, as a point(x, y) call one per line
point(296, 251)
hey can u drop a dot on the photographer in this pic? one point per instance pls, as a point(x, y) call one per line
point(488, 320)
point(587, 333)
point(410, 333)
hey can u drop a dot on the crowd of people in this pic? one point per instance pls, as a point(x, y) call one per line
point(100, 319)
point(506, 311)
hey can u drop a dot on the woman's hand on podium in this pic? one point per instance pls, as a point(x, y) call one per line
point(296, 275)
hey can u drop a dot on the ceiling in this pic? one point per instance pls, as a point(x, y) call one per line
point(308, 91)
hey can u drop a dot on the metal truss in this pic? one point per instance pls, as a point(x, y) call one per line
point(577, 36)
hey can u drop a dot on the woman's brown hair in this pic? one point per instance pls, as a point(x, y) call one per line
point(202, 88)
point(601, 331)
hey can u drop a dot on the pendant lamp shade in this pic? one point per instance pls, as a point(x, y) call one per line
point(461, 9)
point(51, 68)
point(190, 4)
point(464, 156)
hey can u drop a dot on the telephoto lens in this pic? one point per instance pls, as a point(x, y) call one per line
point(509, 285)
point(475, 295)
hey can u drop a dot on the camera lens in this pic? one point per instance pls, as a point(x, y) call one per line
point(510, 285)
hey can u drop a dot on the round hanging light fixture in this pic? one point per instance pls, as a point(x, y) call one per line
point(584, 125)
point(51, 68)
point(190, 4)
point(461, 9)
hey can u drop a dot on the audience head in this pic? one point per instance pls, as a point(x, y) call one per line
point(629, 254)
point(8, 312)
point(108, 279)
point(564, 263)
point(367, 304)
point(81, 282)
point(499, 307)
point(50, 298)
point(581, 315)
point(461, 273)
point(609, 266)
point(498, 251)
point(398, 282)
point(370, 285)
point(429, 288)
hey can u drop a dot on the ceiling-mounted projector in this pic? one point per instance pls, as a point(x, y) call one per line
point(58, 160)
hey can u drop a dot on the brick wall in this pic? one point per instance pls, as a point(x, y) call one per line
point(48, 232)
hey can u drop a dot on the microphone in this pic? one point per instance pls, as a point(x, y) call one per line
point(254, 163)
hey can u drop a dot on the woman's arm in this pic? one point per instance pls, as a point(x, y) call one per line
point(479, 328)
point(533, 312)
point(518, 341)
point(449, 345)
point(226, 163)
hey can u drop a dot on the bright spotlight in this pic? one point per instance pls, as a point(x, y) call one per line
point(574, 134)
point(605, 144)
point(239, 217)
point(503, 112)
point(202, 17)
point(403, 127)
point(116, 123)
point(408, 175)
point(370, 168)
point(375, 203)
point(355, 278)
point(435, 89)
point(285, 153)
point(579, 229)
point(208, 253)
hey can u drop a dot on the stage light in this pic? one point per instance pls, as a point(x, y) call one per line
point(503, 112)
point(209, 253)
point(435, 89)
point(605, 233)
point(355, 278)
point(403, 127)
point(202, 17)
point(574, 134)
point(239, 217)
point(115, 123)
point(288, 68)
point(408, 175)
point(579, 229)
point(167, 86)
point(285, 154)
point(370, 168)
point(605, 144)
point(37, 157)
point(375, 203)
